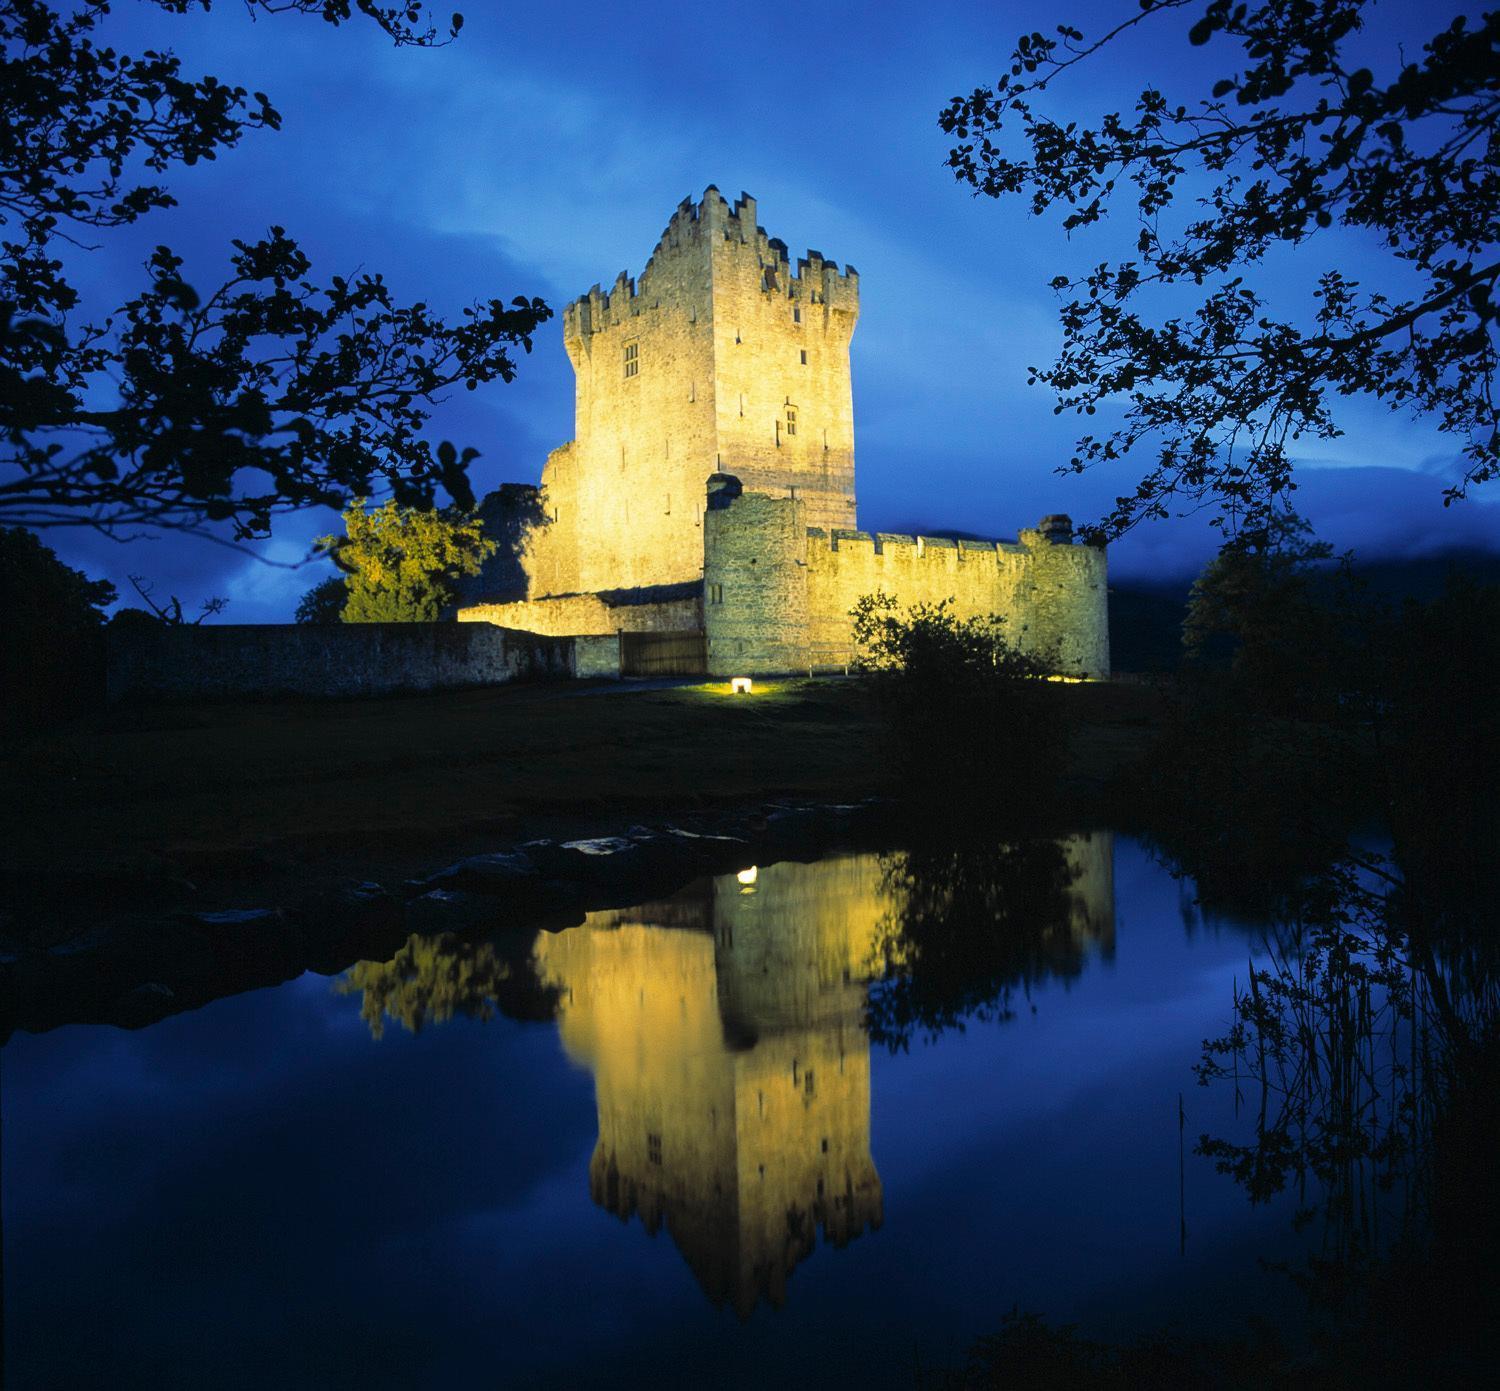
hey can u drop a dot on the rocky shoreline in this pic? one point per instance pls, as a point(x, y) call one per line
point(133, 968)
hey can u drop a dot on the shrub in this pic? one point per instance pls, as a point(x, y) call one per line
point(970, 717)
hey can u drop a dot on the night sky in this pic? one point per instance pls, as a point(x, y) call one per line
point(545, 150)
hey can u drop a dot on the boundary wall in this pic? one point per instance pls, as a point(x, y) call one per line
point(189, 662)
point(778, 594)
point(567, 615)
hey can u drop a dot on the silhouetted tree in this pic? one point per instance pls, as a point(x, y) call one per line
point(1297, 137)
point(400, 562)
point(324, 602)
point(50, 619)
point(1259, 610)
point(171, 612)
point(969, 923)
point(185, 407)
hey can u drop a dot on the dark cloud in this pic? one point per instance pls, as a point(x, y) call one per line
point(544, 152)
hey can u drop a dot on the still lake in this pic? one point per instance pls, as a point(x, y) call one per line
point(695, 1167)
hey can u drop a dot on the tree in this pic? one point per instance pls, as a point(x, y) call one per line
point(1293, 140)
point(50, 620)
point(192, 409)
point(401, 562)
point(324, 602)
point(1259, 609)
point(432, 980)
point(171, 613)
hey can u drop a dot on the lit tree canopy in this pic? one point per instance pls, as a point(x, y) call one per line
point(1294, 139)
point(400, 562)
point(184, 407)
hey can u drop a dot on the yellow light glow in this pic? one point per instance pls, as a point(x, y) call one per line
point(740, 685)
point(748, 876)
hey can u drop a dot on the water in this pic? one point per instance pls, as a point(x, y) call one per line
point(701, 1170)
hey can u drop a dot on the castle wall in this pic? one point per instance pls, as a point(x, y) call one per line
point(778, 594)
point(755, 610)
point(590, 614)
point(226, 660)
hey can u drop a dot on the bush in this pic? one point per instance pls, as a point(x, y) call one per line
point(971, 719)
point(51, 648)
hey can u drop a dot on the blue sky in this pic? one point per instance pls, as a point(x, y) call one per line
point(545, 150)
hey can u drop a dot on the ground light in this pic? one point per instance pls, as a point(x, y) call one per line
point(740, 685)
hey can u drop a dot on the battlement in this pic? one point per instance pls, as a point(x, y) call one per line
point(941, 549)
point(691, 232)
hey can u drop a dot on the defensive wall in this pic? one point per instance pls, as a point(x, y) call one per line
point(674, 608)
point(193, 662)
point(778, 593)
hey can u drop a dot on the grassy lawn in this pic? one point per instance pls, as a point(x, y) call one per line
point(191, 783)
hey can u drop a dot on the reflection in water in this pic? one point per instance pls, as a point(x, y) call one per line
point(1367, 1013)
point(965, 925)
point(730, 1067)
point(726, 1032)
point(433, 978)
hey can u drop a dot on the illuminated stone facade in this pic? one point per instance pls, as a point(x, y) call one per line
point(724, 1029)
point(731, 1068)
point(724, 360)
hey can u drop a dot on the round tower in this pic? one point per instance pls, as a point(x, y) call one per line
point(754, 580)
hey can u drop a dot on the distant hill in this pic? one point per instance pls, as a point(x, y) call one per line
point(1145, 620)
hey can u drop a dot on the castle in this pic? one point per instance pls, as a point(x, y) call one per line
point(725, 1032)
point(703, 519)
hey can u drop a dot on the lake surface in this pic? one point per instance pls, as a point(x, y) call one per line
point(694, 1166)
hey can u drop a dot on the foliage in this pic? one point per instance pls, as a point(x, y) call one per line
point(1309, 701)
point(400, 562)
point(1295, 139)
point(50, 619)
point(968, 713)
point(185, 408)
point(171, 612)
point(969, 922)
point(324, 603)
point(1259, 609)
point(432, 979)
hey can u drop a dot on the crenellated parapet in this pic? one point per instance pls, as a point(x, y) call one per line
point(778, 593)
point(694, 231)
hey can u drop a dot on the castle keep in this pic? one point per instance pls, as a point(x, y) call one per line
point(708, 497)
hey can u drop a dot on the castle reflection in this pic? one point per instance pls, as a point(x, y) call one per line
point(725, 1029)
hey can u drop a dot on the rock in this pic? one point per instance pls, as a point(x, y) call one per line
point(445, 910)
point(611, 871)
point(144, 1005)
point(357, 922)
point(503, 874)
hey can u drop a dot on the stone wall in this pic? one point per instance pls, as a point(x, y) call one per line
point(611, 612)
point(778, 594)
point(188, 662)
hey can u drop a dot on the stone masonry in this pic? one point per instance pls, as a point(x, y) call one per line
point(710, 486)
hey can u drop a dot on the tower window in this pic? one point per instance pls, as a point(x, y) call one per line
point(653, 1148)
point(791, 420)
point(632, 359)
point(804, 357)
point(716, 594)
point(796, 313)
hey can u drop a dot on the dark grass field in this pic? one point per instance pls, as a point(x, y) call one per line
point(206, 786)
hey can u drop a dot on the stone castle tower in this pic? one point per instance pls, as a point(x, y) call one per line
point(723, 356)
point(725, 1032)
point(731, 1067)
point(703, 519)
